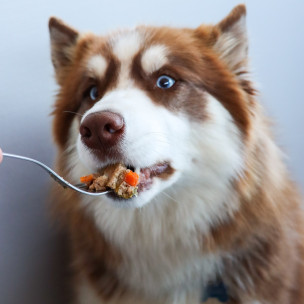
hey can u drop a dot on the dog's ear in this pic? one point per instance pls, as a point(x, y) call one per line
point(231, 40)
point(63, 42)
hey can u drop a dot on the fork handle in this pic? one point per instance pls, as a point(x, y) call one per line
point(52, 173)
point(55, 176)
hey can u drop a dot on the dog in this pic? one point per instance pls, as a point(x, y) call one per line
point(215, 201)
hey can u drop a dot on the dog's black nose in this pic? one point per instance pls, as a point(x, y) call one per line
point(102, 130)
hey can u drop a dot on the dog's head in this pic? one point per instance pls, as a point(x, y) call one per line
point(172, 103)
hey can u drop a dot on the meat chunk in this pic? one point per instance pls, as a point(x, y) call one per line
point(99, 184)
point(125, 190)
point(116, 175)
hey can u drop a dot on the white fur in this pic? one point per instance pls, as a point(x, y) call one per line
point(206, 157)
point(87, 295)
point(154, 58)
point(126, 45)
point(161, 232)
point(148, 136)
point(232, 45)
point(97, 65)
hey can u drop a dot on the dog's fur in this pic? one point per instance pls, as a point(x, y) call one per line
point(226, 209)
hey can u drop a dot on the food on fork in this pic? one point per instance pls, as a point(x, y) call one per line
point(117, 177)
point(87, 179)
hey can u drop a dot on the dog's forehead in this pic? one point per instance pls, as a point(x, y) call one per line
point(124, 46)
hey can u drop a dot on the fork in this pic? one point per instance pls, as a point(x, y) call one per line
point(60, 180)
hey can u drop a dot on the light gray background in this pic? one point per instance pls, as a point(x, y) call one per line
point(32, 252)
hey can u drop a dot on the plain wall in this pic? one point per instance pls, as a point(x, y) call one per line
point(32, 251)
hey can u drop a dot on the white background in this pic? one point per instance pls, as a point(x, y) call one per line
point(32, 251)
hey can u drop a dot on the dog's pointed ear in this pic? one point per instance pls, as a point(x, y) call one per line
point(63, 42)
point(231, 40)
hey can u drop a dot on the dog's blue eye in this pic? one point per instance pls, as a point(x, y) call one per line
point(165, 82)
point(93, 93)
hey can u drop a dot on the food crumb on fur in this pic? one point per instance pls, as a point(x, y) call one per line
point(113, 177)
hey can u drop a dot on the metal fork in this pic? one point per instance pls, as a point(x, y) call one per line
point(60, 180)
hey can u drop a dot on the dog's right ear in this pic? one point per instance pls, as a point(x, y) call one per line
point(63, 42)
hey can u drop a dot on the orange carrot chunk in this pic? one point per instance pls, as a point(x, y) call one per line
point(131, 178)
point(86, 179)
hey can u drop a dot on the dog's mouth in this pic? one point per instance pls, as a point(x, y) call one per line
point(127, 181)
point(161, 170)
point(147, 175)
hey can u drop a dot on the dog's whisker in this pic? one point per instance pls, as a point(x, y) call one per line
point(169, 196)
point(71, 112)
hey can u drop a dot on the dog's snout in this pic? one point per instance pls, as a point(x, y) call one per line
point(102, 130)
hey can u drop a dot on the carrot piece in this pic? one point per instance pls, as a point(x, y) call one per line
point(131, 178)
point(86, 179)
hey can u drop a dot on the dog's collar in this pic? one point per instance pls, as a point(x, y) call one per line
point(217, 291)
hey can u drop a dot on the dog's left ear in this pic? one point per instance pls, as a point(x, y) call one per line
point(63, 43)
point(231, 40)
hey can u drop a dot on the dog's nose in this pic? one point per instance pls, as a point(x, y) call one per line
point(102, 130)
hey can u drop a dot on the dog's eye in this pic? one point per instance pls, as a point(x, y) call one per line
point(165, 82)
point(93, 93)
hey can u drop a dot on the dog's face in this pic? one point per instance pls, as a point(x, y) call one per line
point(170, 103)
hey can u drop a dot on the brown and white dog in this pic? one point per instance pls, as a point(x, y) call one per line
point(215, 200)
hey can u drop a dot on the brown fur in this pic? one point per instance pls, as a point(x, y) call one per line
point(263, 241)
point(91, 254)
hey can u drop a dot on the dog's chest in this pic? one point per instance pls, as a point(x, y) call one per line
point(165, 270)
point(160, 253)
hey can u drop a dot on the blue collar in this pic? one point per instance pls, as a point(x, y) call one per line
point(216, 290)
